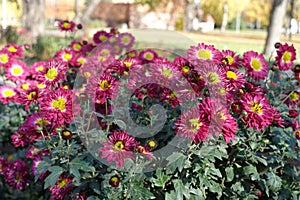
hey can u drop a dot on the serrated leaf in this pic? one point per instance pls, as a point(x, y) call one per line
point(273, 181)
point(51, 179)
point(181, 190)
point(176, 160)
point(170, 196)
point(161, 179)
point(251, 170)
point(77, 164)
point(139, 192)
point(229, 173)
point(197, 194)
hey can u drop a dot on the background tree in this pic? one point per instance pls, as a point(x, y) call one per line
point(275, 26)
point(258, 12)
point(33, 16)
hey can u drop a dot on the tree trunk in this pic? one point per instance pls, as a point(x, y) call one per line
point(87, 12)
point(225, 17)
point(276, 21)
point(33, 18)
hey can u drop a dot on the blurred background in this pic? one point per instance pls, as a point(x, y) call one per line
point(239, 25)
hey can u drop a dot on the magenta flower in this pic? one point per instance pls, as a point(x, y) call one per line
point(66, 25)
point(203, 53)
point(17, 175)
point(118, 148)
point(15, 50)
point(285, 56)
point(256, 65)
point(62, 187)
point(8, 94)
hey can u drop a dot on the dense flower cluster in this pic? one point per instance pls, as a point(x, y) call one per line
point(222, 89)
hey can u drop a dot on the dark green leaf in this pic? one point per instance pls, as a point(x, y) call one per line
point(176, 160)
point(229, 173)
point(51, 179)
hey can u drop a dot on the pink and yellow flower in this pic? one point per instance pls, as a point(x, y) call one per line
point(16, 71)
point(118, 148)
point(4, 58)
point(230, 59)
point(15, 50)
point(285, 56)
point(66, 56)
point(256, 65)
point(66, 25)
point(203, 53)
point(62, 187)
point(8, 94)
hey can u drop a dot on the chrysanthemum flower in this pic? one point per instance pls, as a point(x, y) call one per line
point(3, 165)
point(285, 56)
point(16, 71)
point(293, 99)
point(66, 25)
point(57, 106)
point(28, 132)
point(230, 59)
point(7, 94)
point(114, 181)
point(132, 54)
point(66, 56)
point(148, 55)
point(62, 187)
point(126, 40)
point(256, 65)
point(144, 151)
point(233, 80)
point(37, 67)
point(192, 125)
point(258, 113)
point(15, 50)
point(4, 58)
point(26, 97)
point(203, 53)
point(53, 72)
point(118, 148)
point(183, 65)
point(76, 46)
point(17, 175)
point(101, 36)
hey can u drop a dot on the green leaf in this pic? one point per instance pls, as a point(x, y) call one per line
point(176, 160)
point(274, 182)
point(181, 190)
point(161, 179)
point(237, 187)
point(51, 179)
point(170, 196)
point(140, 192)
point(229, 174)
point(251, 170)
point(197, 194)
point(78, 164)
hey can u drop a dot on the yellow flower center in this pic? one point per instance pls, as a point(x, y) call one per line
point(127, 64)
point(62, 182)
point(167, 72)
point(51, 74)
point(81, 60)
point(59, 104)
point(286, 56)
point(194, 124)
point(66, 25)
point(212, 78)
point(17, 71)
point(32, 95)
point(119, 145)
point(256, 64)
point(25, 86)
point(41, 122)
point(115, 179)
point(204, 54)
point(231, 75)
point(39, 68)
point(148, 56)
point(256, 107)
point(8, 93)
point(87, 74)
point(41, 85)
point(222, 116)
point(172, 95)
point(185, 69)
point(4, 58)
point(102, 58)
point(152, 143)
point(77, 46)
point(67, 56)
point(229, 60)
point(12, 49)
point(104, 85)
point(102, 38)
point(294, 96)
point(125, 39)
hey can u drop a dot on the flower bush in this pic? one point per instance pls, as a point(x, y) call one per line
point(102, 119)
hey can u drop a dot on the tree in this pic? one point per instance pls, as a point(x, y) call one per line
point(258, 12)
point(87, 12)
point(33, 17)
point(275, 26)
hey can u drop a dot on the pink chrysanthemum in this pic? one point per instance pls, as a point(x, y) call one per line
point(118, 148)
point(258, 113)
point(144, 151)
point(230, 59)
point(53, 73)
point(26, 97)
point(3, 165)
point(57, 106)
point(62, 187)
point(192, 125)
point(147, 55)
point(4, 58)
point(66, 25)
point(15, 50)
point(66, 56)
point(16, 71)
point(17, 175)
point(256, 65)
point(101, 36)
point(8, 94)
point(285, 56)
point(80, 60)
point(203, 53)
point(76, 46)
point(126, 40)
point(233, 80)
point(37, 67)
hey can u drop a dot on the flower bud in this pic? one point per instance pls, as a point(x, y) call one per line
point(293, 113)
point(114, 181)
point(277, 45)
point(66, 134)
point(79, 26)
point(259, 193)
